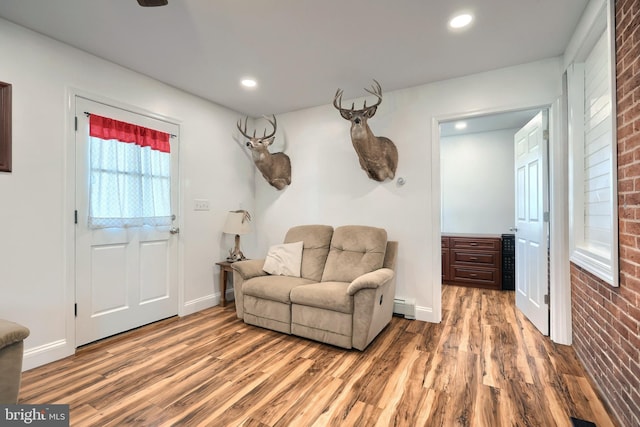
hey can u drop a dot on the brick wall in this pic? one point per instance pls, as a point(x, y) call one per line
point(606, 320)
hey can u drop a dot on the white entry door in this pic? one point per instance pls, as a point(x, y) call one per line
point(532, 227)
point(125, 276)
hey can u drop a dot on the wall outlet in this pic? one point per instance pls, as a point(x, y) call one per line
point(201, 205)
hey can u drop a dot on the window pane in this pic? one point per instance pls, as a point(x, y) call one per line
point(129, 186)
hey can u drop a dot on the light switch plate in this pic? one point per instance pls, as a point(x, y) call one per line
point(201, 205)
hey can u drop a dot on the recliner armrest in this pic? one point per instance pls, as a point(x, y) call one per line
point(11, 333)
point(249, 268)
point(371, 280)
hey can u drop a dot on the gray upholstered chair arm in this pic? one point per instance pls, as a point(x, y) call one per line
point(371, 280)
point(249, 268)
point(11, 353)
point(11, 333)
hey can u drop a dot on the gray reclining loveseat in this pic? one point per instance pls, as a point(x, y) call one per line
point(343, 295)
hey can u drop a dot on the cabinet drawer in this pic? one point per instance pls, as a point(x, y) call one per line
point(488, 259)
point(471, 243)
point(488, 276)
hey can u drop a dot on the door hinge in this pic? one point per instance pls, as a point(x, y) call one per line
point(76, 122)
point(546, 299)
point(545, 135)
point(545, 216)
point(75, 217)
point(75, 309)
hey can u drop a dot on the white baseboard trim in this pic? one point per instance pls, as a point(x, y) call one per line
point(46, 353)
point(201, 303)
point(426, 314)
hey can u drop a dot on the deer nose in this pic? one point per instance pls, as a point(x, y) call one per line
point(357, 120)
point(248, 144)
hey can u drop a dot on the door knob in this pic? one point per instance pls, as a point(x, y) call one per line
point(174, 230)
point(514, 229)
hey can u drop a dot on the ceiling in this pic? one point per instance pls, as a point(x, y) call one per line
point(488, 123)
point(301, 51)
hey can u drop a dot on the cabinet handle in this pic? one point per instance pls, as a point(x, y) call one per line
point(472, 258)
point(473, 244)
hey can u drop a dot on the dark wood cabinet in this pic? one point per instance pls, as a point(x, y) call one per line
point(472, 260)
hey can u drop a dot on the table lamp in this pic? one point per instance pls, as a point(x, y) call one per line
point(237, 223)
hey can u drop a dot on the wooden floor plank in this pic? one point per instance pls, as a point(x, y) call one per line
point(395, 391)
point(486, 409)
point(553, 392)
point(307, 410)
point(484, 365)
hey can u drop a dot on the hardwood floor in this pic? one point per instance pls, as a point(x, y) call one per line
point(484, 365)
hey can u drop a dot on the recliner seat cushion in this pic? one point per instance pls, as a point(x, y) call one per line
point(327, 295)
point(355, 250)
point(274, 288)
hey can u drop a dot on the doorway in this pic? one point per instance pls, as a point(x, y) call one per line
point(478, 188)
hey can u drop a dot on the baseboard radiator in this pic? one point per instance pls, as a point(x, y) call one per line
point(405, 307)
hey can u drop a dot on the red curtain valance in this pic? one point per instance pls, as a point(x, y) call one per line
point(106, 128)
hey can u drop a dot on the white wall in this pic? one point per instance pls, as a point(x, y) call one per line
point(478, 182)
point(329, 187)
point(36, 199)
point(36, 202)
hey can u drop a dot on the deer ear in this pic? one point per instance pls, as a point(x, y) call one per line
point(346, 114)
point(267, 142)
point(371, 111)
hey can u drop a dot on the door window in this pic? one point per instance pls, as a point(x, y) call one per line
point(130, 175)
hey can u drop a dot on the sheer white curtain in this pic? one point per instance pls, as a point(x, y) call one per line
point(130, 185)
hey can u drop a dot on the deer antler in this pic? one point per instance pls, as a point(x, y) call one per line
point(243, 130)
point(245, 217)
point(337, 101)
point(273, 123)
point(376, 90)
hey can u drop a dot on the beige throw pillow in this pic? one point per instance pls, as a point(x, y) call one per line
point(284, 259)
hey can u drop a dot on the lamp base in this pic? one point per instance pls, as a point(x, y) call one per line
point(233, 257)
point(236, 254)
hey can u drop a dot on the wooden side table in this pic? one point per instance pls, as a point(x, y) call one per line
point(225, 267)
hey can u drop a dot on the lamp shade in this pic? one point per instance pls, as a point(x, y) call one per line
point(237, 223)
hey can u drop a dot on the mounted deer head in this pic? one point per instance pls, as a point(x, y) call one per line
point(378, 155)
point(276, 167)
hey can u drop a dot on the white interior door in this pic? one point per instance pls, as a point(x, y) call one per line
point(532, 227)
point(125, 277)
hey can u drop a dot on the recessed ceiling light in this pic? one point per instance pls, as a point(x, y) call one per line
point(460, 21)
point(461, 125)
point(248, 82)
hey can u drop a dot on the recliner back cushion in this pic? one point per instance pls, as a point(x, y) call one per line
point(355, 250)
point(316, 242)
